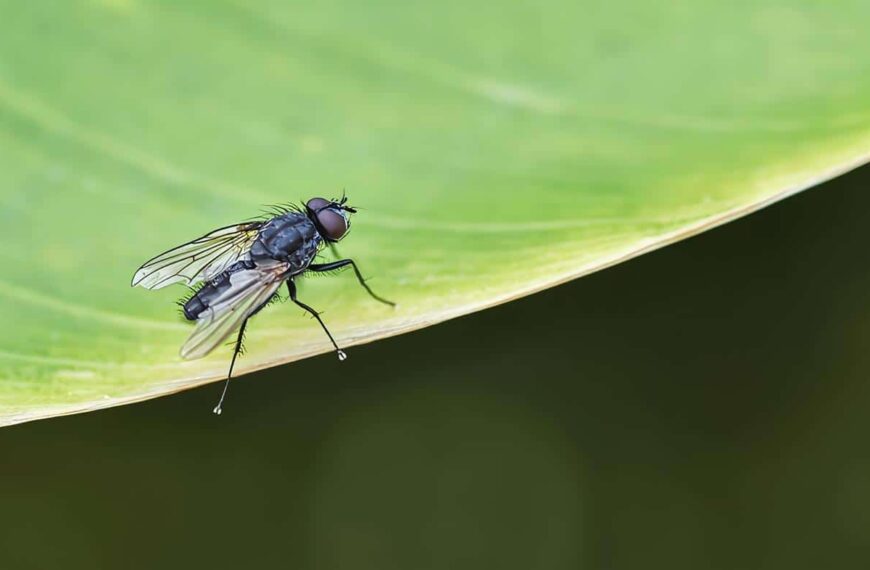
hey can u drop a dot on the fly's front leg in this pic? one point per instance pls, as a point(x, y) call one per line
point(291, 288)
point(320, 267)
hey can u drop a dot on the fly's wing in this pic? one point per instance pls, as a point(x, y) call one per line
point(199, 260)
point(249, 290)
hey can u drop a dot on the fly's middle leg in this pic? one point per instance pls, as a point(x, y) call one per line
point(291, 288)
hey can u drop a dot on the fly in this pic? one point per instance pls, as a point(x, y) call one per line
point(242, 267)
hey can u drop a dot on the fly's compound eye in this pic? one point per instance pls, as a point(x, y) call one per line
point(334, 224)
point(316, 204)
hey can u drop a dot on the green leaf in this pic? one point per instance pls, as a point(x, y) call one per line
point(495, 149)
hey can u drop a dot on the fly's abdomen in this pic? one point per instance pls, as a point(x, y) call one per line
point(194, 307)
point(202, 299)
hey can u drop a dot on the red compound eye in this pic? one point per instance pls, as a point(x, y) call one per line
point(333, 223)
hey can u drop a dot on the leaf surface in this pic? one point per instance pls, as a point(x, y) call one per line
point(494, 149)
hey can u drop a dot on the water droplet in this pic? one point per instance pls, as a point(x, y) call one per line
point(217, 410)
point(342, 356)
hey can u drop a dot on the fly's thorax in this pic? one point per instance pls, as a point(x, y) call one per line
point(291, 238)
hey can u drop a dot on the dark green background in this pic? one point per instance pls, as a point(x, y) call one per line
point(704, 406)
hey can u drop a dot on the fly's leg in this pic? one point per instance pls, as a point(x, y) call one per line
point(291, 287)
point(236, 352)
point(238, 348)
point(320, 267)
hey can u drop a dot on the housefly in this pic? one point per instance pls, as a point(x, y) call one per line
point(237, 270)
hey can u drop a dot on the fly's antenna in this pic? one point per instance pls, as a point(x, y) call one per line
point(238, 348)
point(343, 203)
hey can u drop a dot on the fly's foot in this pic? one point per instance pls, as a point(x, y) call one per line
point(342, 356)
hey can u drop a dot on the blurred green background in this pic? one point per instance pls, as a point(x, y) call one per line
point(704, 406)
point(510, 145)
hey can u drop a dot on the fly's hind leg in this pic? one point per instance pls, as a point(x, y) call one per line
point(320, 267)
point(291, 288)
point(236, 350)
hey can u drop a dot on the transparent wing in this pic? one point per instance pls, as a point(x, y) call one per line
point(249, 290)
point(199, 260)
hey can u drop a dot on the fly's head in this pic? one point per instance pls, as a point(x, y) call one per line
point(331, 217)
